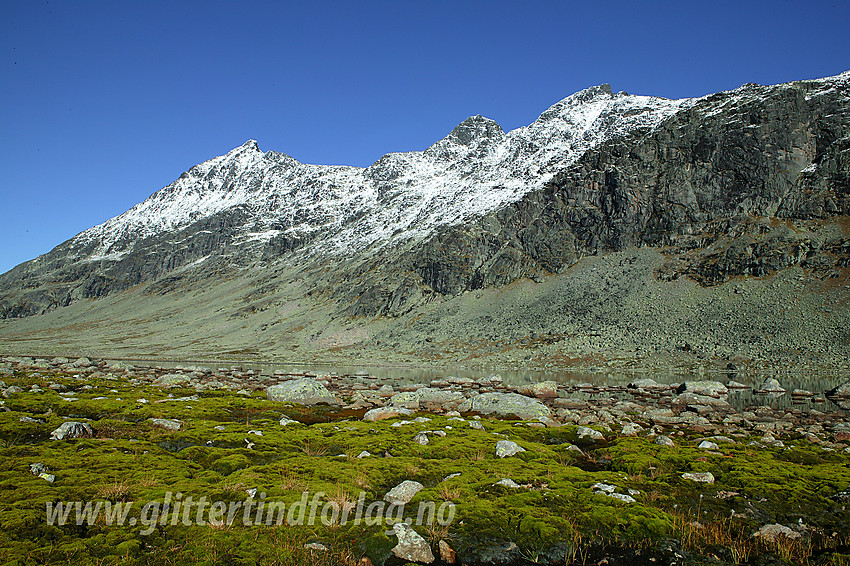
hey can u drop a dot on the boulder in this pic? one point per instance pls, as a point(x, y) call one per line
point(699, 477)
point(541, 390)
point(506, 405)
point(403, 492)
point(381, 413)
point(507, 448)
point(168, 424)
point(411, 546)
point(71, 429)
point(646, 384)
point(589, 435)
point(776, 532)
point(771, 386)
point(710, 388)
point(303, 391)
point(171, 379)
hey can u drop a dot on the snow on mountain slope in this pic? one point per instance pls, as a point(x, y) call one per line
point(475, 169)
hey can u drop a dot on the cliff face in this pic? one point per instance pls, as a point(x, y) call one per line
point(741, 183)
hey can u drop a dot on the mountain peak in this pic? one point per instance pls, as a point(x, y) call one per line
point(475, 128)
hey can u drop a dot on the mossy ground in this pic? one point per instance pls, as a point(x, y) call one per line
point(554, 516)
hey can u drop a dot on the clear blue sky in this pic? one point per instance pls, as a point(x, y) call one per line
point(103, 103)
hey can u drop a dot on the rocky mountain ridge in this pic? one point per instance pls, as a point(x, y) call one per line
point(736, 186)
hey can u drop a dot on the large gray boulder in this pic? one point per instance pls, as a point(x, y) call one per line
point(507, 448)
point(171, 379)
point(381, 413)
point(302, 392)
point(506, 405)
point(403, 492)
point(71, 429)
point(427, 398)
point(411, 546)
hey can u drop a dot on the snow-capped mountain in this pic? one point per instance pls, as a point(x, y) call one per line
point(475, 169)
point(596, 172)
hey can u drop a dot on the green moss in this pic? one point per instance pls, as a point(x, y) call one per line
point(129, 459)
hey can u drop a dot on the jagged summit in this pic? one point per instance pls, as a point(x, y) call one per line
point(475, 128)
point(248, 203)
point(477, 167)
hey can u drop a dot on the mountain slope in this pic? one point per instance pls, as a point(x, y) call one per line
point(249, 204)
point(750, 186)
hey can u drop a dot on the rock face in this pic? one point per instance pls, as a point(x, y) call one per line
point(302, 392)
point(507, 405)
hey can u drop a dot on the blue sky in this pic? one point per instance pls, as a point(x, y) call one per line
point(103, 103)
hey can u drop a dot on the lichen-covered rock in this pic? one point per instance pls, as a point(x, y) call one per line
point(507, 448)
point(403, 492)
point(168, 424)
point(171, 379)
point(303, 391)
point(71, 429)
point(411, 546)
point(699, 477)
point(506, 405)
point(587, 434)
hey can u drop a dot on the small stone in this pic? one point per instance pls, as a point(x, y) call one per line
point(630, 429)
point(364, 454)
point(641, 384)
point(31, 420)
point(771, 386)
point(168, 424)
point(507, 482)
point(507, 448)
point(619, 496)
point(664, 441)
point(699, 477)
point(316, 546)
point(11, 390)
point(707, 445)
point(589, 434)
point(286, 421)
point(775, 531)
point(447, 555)
point(604, 487)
